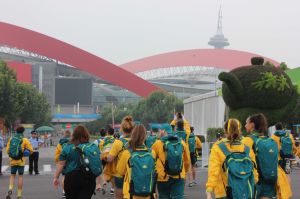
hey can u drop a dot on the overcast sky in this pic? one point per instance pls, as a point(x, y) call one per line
point(125, 30)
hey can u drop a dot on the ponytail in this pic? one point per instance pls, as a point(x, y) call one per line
point(233, 130)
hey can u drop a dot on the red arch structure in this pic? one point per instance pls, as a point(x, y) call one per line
point(38, 43)
point(218, 58)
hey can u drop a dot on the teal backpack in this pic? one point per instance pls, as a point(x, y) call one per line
point(240, 177)
point(150, 140)
point(266, 151)
point(15, 148)
point(192, 143)
point(181, 134)
point(143, 176)
point(89, 155)
point(174, 150)
point(286, 142)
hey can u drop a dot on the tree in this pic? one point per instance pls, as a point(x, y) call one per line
point(32, 105)
point(7, 95)
point(283, 66)
point(21, 101)
point(159, 107)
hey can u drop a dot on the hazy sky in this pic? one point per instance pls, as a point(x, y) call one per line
point(124, 30)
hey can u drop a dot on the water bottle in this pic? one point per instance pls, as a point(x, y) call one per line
point(288, 166)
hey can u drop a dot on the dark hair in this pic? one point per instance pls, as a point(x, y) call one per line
point(102, 132)
point(192, 129)
point(179, 115)
point(232, 129)
point(111, 131)
point(279, 126)
point(127, 124)
point(180, 125)
point(33, 132)
point(80, 135)
point(260, 123)
point(138, 136)
point(20, 129)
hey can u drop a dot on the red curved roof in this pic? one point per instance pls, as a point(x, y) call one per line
point(31, 41)
point(218, 58)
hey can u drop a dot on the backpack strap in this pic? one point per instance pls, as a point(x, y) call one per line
point(247, 150)
point(224, 149)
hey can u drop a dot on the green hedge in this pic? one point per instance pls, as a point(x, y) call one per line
point(211, 135)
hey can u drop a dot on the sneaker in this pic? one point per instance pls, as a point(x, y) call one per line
point(9, 193)
point(194, 183)
point(103, 191)
point(37, 173)
point(191, 184)
point(112, 191)
point(63, 195)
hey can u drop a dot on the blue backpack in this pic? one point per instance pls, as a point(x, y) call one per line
point(181, 134)
point(266, 151)
point(286, 149)
point(150, 140)
point(239, 169)
point(90, 162)
point(174, 150)
point(192, 143)
point(143, 176)
point(15, 147)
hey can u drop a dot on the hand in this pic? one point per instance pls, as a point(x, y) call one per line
point(208, 195)
point(55, 183)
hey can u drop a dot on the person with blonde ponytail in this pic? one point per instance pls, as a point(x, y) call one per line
point(225, 152)
point(117, 149)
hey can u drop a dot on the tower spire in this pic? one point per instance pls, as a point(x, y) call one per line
point(218, 40)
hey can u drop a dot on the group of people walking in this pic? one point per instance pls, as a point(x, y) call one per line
point(254, 166)
point(160, 164)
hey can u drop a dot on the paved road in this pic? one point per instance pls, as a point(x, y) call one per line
point(40, 187)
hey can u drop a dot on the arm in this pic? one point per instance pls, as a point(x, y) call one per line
point(1, 143)
point(198, 143)
point(27, 145)
point(59, 168)
point(186, 157)
point(214, 169)
point(121, 166)
point(115, 150)
point(7, 146)
point(57, 153)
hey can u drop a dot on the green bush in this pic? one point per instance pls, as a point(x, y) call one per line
point(211, 134)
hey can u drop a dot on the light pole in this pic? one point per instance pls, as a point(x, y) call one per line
point(112, 115)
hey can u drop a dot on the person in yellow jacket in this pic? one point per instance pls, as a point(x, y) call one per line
point(17, 166)
point(217, 178)
point(257, 126)
point(284, 190)
point(136, 144)
point(170, 186)
point(117, 148)
point(186, 125)
point(62, 142)
point(109, 169)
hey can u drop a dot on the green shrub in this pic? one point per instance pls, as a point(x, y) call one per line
point(211, 135)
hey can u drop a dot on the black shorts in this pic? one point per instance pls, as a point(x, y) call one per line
point(79, 186)
point(193, 158)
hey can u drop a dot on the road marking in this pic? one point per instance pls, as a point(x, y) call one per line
point(4, 168)
point(26, 169)
point(47, 168)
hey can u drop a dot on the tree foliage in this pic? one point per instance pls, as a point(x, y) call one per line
point(21, 101)
point(159, 107)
